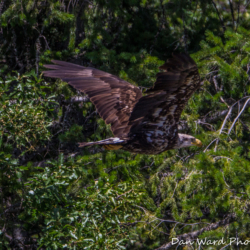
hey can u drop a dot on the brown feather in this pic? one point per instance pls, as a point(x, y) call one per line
point(113, 97)
point(169, 95)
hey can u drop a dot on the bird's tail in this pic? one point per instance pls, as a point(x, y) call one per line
point(112, 143)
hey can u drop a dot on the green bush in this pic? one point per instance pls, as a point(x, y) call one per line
point(57, 196)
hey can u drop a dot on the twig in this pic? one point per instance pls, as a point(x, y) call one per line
point(119, 196)
point(78, 99)
point(189, 156)
point(93, 113)
point(148, 166)
point(171, 221)
point(246, 6)
point(210, 144)
point(215, 71)
point(230, 110)
point(225, 246)
point(216, 145)
point(3, 230)
point(68, 6)
point(182, 126)
point(235, 120)
point(228, 187)
point(175, 189)
point(225, 120)
point(208, 124)
point(220, 157)
point(218, 89)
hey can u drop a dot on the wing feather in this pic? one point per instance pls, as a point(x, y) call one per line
point(121, 104)
point(161, 108)
point(113, 97)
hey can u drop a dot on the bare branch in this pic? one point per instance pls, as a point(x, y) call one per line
point(218, 89)
point(246, 6)
point(228, 187)
point(169, 221)
point(222, 157)
point(210, 144)
point(215, 116)
point(235, 120)
point(225, 246)
point(119, 196)
point(79, 99)
point(225, 120)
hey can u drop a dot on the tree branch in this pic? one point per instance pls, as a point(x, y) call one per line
point(214, 117)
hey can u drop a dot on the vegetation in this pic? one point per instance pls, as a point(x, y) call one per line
point(57, 196)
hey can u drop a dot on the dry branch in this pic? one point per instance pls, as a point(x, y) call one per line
point(183, 126)
point(235, 120)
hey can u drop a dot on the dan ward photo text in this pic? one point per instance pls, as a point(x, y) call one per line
point(206, 241)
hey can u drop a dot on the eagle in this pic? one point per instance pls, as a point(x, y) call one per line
point(141, 123)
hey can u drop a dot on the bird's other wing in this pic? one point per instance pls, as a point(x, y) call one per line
point(113, 97)
point(164, 102)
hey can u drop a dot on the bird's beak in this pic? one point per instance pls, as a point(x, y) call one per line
point(197, 143)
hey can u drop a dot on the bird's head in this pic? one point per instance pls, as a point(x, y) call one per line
point(187, 141)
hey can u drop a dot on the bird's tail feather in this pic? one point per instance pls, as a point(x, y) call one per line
point(109, 144)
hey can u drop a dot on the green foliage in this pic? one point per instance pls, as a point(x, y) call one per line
point(229, 58)
point(76, 212)
point(96, 199)
point(26, 110)
point(73, 134)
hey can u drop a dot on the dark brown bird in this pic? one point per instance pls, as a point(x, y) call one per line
point(141, 124)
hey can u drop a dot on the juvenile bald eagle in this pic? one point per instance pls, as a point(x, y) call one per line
point(141, 124)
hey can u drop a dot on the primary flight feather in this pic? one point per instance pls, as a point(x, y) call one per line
point(141, 124)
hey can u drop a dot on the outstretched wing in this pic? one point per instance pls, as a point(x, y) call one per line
point(158, 112)
point(113, 97)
